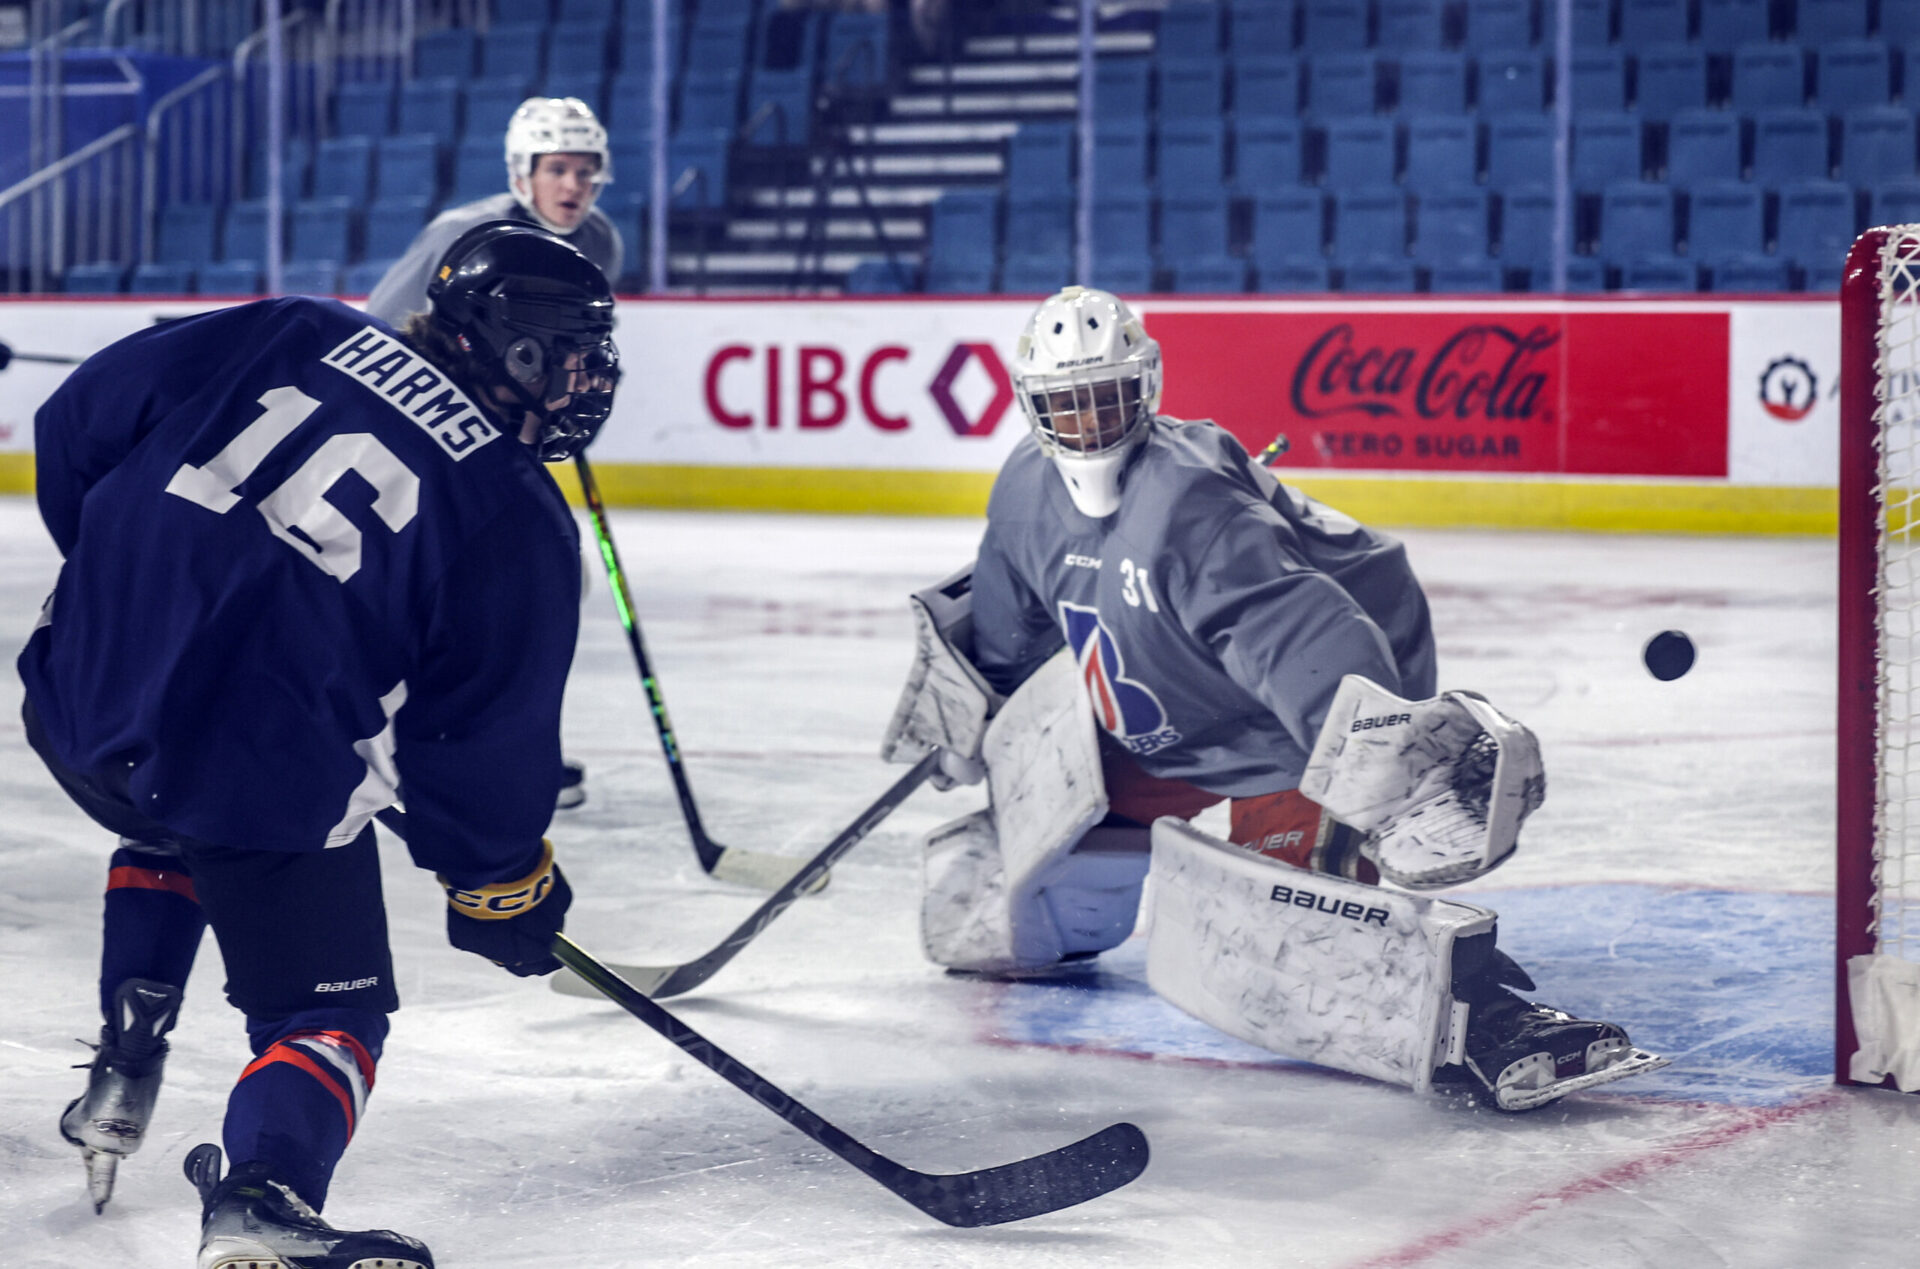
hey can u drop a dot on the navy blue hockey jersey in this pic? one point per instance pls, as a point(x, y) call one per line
point(304, 575)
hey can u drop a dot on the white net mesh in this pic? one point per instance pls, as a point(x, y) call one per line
point(1896, 916)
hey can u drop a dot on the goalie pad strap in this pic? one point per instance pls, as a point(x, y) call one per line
point(945, 702)
point(1309, 966)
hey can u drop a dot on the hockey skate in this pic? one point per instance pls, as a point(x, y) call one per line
point(573, 785)
point(109, 1120)
point(251, 1221)
point(1521, 1055)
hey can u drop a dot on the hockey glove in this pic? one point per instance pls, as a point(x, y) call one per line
point(512, 923)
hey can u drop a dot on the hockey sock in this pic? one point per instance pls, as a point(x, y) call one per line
point(152, 920)
point(296, 1106)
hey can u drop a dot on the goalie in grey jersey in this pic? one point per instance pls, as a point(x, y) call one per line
point(1155, 625)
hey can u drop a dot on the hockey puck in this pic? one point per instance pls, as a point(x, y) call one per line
point(1668, 655)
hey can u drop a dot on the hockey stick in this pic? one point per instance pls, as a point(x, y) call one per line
point(671, 980)
point(1014, 1191)
point(8, 356)
point(724, 863)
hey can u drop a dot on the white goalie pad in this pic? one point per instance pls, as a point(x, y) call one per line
point(1303, 964)
point(1885, 992)
point(945, 703)
point(1441, 786)
point(999, 883)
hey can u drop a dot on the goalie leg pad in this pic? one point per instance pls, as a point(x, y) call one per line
point(1442, 785)
point(945, 702)
point(1312, 967)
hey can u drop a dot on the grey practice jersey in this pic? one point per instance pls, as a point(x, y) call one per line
point(404, 289)
point(1213, 614)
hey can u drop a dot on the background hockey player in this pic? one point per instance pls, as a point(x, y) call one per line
point(1235, 640)
point(557, 160)
point(312, 565)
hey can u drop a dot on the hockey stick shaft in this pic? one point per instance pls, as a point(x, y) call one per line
point(671, 980)
point(1029, 1187)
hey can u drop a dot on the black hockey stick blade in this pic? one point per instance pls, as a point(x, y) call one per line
point(1014, 1191)
point(671, 980)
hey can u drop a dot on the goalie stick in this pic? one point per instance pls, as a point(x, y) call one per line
point(671, 980)
point(1014, 1191)
point(724, 863)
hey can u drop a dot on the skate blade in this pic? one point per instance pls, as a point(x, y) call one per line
point(226, 1252)
point(100, 1172)
point(1637, 1062)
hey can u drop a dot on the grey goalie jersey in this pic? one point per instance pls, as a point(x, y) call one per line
point(1212, 616)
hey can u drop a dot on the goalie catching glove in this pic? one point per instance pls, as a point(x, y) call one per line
point(512, 923)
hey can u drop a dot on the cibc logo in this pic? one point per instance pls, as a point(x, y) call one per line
point(748, 387)
point(1789, 390)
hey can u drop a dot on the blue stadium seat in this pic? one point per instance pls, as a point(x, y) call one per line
point(712, 49)
point(343, 168)
point(1266, 88)
point(857, 54)
point(601, 11)
point(322, 229)
point(407, 165)
point(364, 106)
point(878, 277)
point(392, 223)
point(522, 11)
point(1122, 231)
point(1816, 224)
point(446, 54)
point(1512, 81)
point(630, 108)
point(1433, 81)
point(1360, 151)
point(697, 167)
point(1498, 24)
point(1599, 80)
point(1267, 154)
point(243, 231)
point(1592, 24)
point(1369, 222)
point(725, 14)
point(1519, 149)
point(578, 48)
point(1647, 22)
point(1725, 218)
point(1331, 26)
point(1850, 73)
point(431, 105)
point(310, 277)
point(1188, 30)
point(1192, 88)
point(1121, 87)
point(1727, 24)
point(229, 277)
point(1120, 154)
point(1876, 144)
point(963, 237)
point(1192, 154)
point(1124, 276)
point(710, 99)
point(1295, 275)
point(1450, 226)
point(1222, 275)
point(1039, 224)
point(1895, 202)
point(479, 169)
point(185, 233)
point(1789, 145)
point(1670, 78)
point(1441, 152)
point(1260, 27)
point(1526, 227)
point(779, 107)
point(296, 161)
point(490, 104)
point(1374, 276)
point(1823, 21)
point(1342, 83)
point(1287, 224)
point(1636, 221)
point(1406, 25)
point(587, 86)
point(1767, 77)
point(1035, 273)
point(1606, 148)
point(1750, 274)
point(1900, 21)
point(1668, 274)
point(1040, 157)
point(1466, 278)
point(627, 207)
point(161, 277)
point(514, 48)
point(1193, 227)
point(96, 277)
point(1703, 145)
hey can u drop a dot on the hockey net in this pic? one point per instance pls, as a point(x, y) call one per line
point(1878, 795)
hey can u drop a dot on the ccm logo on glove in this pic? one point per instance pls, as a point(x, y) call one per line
point(504, 900)
point(512, 923)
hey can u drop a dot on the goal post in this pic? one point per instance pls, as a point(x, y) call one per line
point(1877, 796)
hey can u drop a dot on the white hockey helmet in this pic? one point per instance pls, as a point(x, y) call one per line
point(552, 125)
point(1088, 377)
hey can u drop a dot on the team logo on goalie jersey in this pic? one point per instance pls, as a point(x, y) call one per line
point(1127, 709)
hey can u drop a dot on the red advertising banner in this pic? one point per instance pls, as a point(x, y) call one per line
point(1590, 393)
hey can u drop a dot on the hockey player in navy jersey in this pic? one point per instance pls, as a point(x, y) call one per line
point(1155, 625)
point(312, 566)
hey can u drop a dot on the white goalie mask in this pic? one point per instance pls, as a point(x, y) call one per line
point(1088, 378)
point(552, 125)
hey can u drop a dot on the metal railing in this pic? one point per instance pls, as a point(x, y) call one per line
point(42, 240)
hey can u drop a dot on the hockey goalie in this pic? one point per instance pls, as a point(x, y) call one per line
point(1154, 625)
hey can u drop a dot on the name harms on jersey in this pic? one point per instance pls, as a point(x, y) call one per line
point(1129, 710)
point(406, 381)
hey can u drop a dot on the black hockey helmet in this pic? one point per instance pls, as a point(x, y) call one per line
point(537, 317)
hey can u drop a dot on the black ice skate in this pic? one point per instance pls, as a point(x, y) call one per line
point(109, 1120)
point(251, 1221)
point(573, 785)
point(1522, 1055)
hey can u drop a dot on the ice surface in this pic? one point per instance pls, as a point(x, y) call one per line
point(1677, 881)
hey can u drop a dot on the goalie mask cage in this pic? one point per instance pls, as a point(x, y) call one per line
point(1877, 1001)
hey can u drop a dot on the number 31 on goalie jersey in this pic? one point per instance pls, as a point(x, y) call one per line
point(297, 511)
